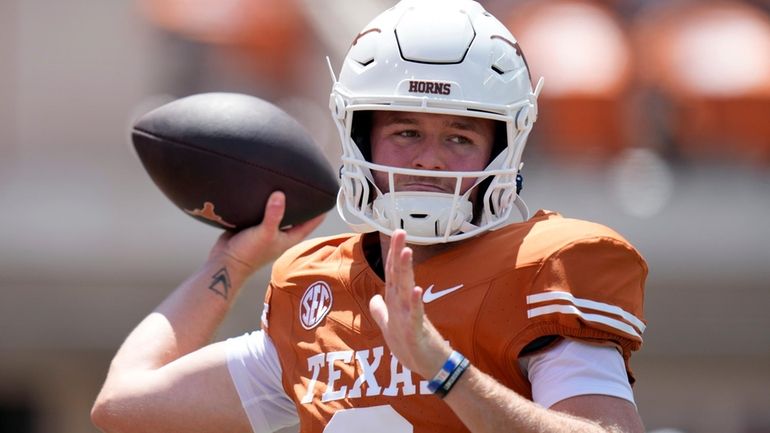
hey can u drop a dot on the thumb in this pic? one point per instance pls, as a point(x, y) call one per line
point(379, 311)
point(274, 211)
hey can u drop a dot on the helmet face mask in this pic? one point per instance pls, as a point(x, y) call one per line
point(442, 57)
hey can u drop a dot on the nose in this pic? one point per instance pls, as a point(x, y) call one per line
point(429, 155)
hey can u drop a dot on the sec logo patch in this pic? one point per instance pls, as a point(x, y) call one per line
point(315, 304)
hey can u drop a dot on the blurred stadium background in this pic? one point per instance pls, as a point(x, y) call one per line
point(655, 120)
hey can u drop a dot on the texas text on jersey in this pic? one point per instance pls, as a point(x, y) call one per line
point(546, 276)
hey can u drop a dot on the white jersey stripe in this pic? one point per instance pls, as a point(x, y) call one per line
point(598, 318)
point(587, 303)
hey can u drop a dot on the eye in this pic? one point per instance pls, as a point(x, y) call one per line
point(460, 139)
point(408, 133)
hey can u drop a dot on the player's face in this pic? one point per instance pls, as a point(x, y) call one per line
point(428, 141)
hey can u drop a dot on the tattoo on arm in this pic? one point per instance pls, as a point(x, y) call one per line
point(220, 283)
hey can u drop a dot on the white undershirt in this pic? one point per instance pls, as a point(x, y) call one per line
point(256, 373)
point(574, 367)
point(568, 369)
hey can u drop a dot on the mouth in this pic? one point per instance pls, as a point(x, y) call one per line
point(426, 187)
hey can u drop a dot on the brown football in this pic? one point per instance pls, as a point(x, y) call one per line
point(218, 156)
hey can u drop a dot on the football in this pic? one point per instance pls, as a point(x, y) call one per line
point(218, 156)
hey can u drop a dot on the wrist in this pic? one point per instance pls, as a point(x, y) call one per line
point(436, 360)
point(435, 351)
point(226, 268)
point(451, 371)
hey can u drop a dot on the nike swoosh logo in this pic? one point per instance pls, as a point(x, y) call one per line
point(429, 295)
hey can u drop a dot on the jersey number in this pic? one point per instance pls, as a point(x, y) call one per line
point(375, 419)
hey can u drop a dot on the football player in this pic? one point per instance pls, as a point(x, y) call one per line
point(442, 314)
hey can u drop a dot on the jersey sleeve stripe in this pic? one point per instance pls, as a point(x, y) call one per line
point(587, 303)
point(596, 318)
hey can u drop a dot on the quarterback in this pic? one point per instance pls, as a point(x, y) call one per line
point(444, 312)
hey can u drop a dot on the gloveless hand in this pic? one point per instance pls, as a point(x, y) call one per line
point(401, 316)
point(257, 246)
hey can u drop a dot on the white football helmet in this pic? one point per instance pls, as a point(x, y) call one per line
point(444, 57)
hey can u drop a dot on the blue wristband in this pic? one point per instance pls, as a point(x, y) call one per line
point(451, 364)
point(445, 387)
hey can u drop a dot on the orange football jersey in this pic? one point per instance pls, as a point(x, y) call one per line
point(488, 296)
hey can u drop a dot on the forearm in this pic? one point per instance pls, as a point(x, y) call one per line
point(186, 320)
point(484, 405)
point(166, 376)
point(150, 377)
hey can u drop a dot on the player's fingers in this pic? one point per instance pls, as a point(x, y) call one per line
point(399, 239)
point(394, 253)
point(379, 311)
point(274, 210)
point(390, 273)
point(418, 309)
point(396, 267)
point(406, 274)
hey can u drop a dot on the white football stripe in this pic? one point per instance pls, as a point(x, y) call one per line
point(598, 318)
point(587, 303)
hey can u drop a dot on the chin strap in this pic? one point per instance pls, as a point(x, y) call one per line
point(423, 214)
point(463, 224)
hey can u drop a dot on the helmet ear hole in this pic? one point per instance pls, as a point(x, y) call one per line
point(361, 133)
point(500, 140)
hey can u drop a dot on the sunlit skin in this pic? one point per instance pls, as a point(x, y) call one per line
point(429, 142)
point(436, 142)
point(166, 360)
